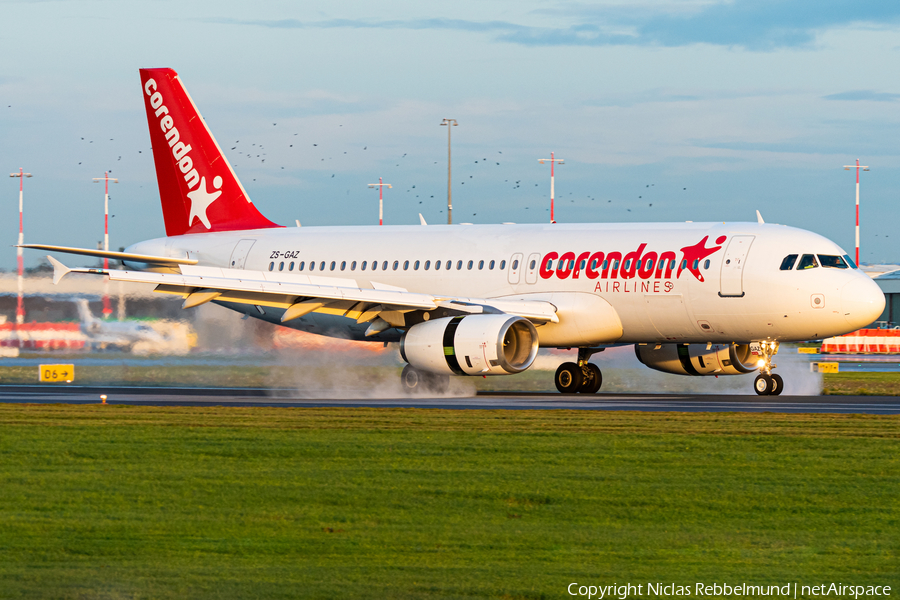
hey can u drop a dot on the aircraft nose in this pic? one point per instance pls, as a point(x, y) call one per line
point(862, 301)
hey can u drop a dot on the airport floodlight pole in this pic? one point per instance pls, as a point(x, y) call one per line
point(449, 123)
point(864, 168)
point(380, 187)
point(20, 310)
point(107, 310)
point(552, 162)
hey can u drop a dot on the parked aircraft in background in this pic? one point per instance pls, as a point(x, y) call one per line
point(695, 299)
point(121, 335)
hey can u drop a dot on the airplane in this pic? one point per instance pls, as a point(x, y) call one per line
point(695, 299)
point(117, 334)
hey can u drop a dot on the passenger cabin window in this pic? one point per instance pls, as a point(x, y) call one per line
point(362, 267)
point(322, 266)
point(406, 265)
point(807, 261)
point(332, 265)
point(788, 263)
point(302, 264)
point(832, 262)
point(427, 264)
point(469, 265)
point(416, 266)
point(384, 266)
point(502, 264)
point(343, 265)
point(491, 266)
point(515, 265)
point(271, 266)
point(396, 264)
point(480, 265)
point(353, 266)
point(437, 265)
point(458, 265)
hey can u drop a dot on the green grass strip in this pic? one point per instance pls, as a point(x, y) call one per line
point(137, 502)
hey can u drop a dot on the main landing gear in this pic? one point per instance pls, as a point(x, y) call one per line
point(419, 382)
point(583, 377)
point(768, 383)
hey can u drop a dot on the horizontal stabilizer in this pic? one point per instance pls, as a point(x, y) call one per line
point(144, 258)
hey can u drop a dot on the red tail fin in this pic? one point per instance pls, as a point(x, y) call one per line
point(198, 188)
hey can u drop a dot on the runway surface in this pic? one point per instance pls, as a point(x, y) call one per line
point(884, 405)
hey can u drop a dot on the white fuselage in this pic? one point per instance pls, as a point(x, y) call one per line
point(743, 295)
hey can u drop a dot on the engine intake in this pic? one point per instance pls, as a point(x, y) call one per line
point(471, 345)
point(695, 359)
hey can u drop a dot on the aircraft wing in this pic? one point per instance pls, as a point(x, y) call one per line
point(161, 260)
point(302, 294)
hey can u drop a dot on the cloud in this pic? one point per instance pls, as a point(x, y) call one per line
point(868, 95)
point(759, 25)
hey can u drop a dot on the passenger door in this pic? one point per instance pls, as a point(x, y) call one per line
point(731, 282)
point(240, 252)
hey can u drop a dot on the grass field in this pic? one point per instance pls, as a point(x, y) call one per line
point(136, 502)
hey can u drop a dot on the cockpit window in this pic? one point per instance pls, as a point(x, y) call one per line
point(832, 262)
point(807, 261)
point(788, 263)
point(849, 261)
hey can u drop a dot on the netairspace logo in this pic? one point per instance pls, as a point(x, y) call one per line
point(790, 590)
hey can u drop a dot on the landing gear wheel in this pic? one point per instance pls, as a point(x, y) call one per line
point(411, 379)
point(592, 383)
point(763, 385)
point(569, 378)
point(415, 381)
point(777, 384)
point(436, 384)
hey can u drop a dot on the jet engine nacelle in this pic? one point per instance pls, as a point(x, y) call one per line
point(471, 345)
point(696, 359)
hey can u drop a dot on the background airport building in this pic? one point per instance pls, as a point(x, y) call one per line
point(890, 285)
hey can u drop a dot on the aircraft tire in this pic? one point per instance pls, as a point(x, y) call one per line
point(763, 385)
point(412, 380)
point(778, 384)
point(592, 384)
point(436, 384)
point(568, 378)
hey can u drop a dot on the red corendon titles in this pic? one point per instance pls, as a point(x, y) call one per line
point(636, 264)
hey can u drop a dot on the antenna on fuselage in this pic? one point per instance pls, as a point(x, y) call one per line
point(759, 218)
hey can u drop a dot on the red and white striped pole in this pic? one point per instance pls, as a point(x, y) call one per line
point(552, 162)
point(107, 310)
point(380, 187)
point(864, 168)
point(20, 309)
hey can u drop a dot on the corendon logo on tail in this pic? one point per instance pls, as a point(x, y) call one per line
point(201, 197)
point(638, 264)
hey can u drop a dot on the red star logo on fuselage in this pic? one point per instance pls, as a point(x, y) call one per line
point(692, 255)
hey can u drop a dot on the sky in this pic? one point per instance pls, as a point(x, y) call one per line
point(695, 110)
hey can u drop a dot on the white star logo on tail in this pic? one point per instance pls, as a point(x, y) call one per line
point(201, 199)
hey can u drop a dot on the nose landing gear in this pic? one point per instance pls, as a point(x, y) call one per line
point(768, 383)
